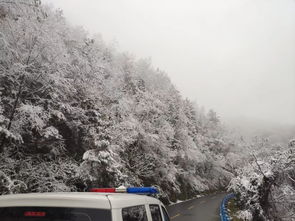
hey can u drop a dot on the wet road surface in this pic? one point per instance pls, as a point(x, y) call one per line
point(202, 209)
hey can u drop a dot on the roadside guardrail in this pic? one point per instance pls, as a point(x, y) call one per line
point(224, 216)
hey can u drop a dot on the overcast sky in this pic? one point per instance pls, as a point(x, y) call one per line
point(235, 56)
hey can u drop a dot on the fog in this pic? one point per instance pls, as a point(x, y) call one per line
point(237, 57)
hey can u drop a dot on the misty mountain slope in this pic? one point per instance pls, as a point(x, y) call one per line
point(76, 113)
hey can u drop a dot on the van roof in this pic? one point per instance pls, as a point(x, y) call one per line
point(75, 199)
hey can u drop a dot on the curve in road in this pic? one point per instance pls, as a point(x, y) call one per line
point(200, 209)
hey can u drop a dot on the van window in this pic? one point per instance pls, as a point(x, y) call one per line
point(134, 213)
point(166, 216)
point(155, 212)
point(53, 214)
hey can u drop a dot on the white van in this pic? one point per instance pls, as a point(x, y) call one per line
point(91, 206)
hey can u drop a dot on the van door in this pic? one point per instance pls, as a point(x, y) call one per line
point(155, 212)
point(165, 214)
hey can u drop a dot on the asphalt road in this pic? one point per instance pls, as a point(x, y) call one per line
point(202, 209)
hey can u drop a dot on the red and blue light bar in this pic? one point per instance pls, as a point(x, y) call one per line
point(137, 190)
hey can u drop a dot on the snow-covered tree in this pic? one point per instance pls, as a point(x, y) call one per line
point(75, 112)
point(266, 187)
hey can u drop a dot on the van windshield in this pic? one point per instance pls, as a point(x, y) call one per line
point(53, 214)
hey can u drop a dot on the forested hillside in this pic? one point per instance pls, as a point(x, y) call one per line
point(76, 113)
